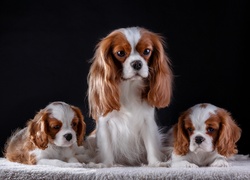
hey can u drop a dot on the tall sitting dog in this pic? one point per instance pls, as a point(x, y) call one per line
point(129, 77)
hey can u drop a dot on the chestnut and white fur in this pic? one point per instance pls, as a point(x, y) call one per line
point(53, 137)
point(129, 77)
point(205, 135)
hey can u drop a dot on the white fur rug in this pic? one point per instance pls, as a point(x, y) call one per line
point(240, 169)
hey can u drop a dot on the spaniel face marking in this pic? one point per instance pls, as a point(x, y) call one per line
point(205, 135)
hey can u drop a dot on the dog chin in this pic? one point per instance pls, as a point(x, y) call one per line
point(133, 78)
point(64, 144)
point(199, 149)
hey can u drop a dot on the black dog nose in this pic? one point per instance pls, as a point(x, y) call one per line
point(68, 136)
point(199, 139)
point(136, 64)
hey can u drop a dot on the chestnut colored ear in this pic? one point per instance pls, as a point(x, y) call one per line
point(160, 90)
point(181, 138)
point(102, 80)
point(229, 134)
point(81, 127)
point(38, 129)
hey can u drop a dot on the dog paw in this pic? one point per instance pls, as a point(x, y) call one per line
point(184, 164)
point(220, 163)
point(95, 165)
point(160, 164)
point(75, 165)
point(191, 165)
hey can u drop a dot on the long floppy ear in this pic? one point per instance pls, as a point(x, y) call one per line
point(229, 134)
point(103, 91)
point(181, 138)
point(160, 90)
point(37, 129)
point(81, 126)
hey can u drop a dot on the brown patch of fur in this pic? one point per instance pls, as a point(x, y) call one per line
point(229, 134)
point(181, 135)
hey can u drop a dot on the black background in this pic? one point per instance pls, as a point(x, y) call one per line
point(45, 47)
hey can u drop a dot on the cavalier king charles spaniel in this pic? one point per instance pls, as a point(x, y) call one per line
point(205, 135)
point(53, 137)
point(129, 77)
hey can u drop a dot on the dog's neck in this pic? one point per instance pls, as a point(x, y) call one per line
point(131, 91)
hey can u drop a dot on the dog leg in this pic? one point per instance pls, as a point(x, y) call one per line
point(103, 142)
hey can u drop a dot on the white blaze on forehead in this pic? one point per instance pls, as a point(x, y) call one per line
point(132, 34)
point(200, 114)
point(62, 112)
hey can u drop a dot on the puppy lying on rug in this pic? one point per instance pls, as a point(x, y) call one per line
point(53, 137)
point(205, 135)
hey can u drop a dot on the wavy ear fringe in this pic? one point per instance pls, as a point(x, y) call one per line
point(103, 92)
point(229, 134)
point(81, 126)
point(161, 77)
point(181, 139)
point(38, 130)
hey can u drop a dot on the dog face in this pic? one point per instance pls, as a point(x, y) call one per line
point(59, 123)
point(129, 54)
point(205, 127)
point(132, 52)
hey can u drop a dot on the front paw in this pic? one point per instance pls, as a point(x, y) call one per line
point(184, 164)
point(220, 163)
point(159, 164)
point(75, 165)
point(95, 165)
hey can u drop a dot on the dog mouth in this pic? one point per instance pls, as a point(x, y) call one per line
point(68, 144)
point(66, 141)
point(200, 148)
point(134, 77)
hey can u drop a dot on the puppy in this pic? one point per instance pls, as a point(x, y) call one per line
point(129, 77)
point(53, 137)
point(205, 135)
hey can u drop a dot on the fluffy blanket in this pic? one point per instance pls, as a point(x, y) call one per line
point(240, 169)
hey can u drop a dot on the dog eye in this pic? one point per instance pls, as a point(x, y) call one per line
point(74, 124)
point(56, 127)
point(210, 129)
point(121, 53)
point(190, 129)
point(146, 51)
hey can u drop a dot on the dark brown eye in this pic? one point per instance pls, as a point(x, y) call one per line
point(190, 129)
point(146, 51)
point(74, 124)
point(121, 53)
point(56, 127)
point(210, 129)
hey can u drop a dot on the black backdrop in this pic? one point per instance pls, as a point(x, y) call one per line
point(45, 47)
